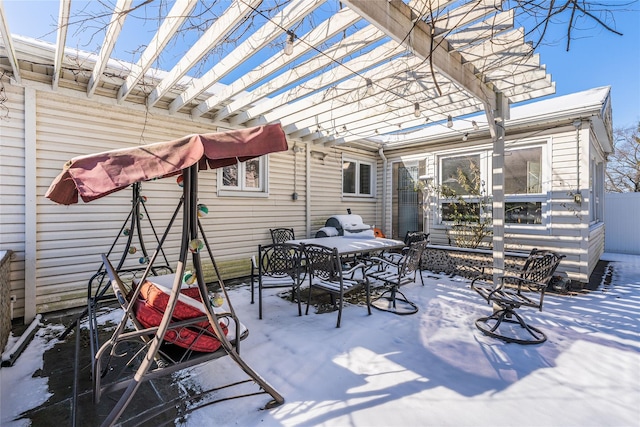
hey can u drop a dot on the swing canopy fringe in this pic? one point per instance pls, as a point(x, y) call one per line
point(97, 175)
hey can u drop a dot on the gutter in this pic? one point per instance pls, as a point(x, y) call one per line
point(385, 165)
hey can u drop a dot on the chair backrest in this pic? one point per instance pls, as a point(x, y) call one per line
point(415, 236)
point(281, 235)
point(413, 258)
point(279, 260)
point(323, 262)
point(540, 266)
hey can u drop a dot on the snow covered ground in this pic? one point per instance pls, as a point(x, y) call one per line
point(430, 368)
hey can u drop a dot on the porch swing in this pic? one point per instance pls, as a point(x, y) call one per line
point(135, 245)
point(162, 308)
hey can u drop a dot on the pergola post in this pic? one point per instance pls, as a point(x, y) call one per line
point(497, 161)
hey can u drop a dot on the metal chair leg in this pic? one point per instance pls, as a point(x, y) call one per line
point(487, 326)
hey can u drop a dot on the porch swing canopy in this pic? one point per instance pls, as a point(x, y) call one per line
point(96, 175)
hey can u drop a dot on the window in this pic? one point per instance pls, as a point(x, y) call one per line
point(465, 183)
point(596, 190)
point(460, 174)
point(523, 212)
point(522, 171)
point(243, 177)
point(462, 188)
point(357, 178)
point(522, 177)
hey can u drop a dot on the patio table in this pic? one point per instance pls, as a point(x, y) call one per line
point(352, 245)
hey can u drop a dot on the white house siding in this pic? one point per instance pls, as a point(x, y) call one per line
point(596, 244)
point(70, 239)
point(568, 222)
point(326, 188)
point(12, 178)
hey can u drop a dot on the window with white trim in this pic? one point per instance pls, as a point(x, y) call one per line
point(524, 199)
point(596, 190)
point(461, 187)
point(357, 177)
point(248, 177)
point(468, 178)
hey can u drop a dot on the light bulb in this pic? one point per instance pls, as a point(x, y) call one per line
point(416, 109)
point(449, 122)
point(369, 87)
point(288, 48)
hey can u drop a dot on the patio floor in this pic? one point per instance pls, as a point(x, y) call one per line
point(431, 368)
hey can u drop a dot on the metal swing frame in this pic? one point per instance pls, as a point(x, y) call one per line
point(98, 284)
point(151, 361)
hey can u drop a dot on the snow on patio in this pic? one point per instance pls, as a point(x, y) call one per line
point(431, 368)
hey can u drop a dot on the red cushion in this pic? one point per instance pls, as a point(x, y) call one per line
point(150, 307)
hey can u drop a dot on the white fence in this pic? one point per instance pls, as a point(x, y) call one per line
point(622, 221)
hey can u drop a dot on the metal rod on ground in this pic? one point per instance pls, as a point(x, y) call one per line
point(10, 356)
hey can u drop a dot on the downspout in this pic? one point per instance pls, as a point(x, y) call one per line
point(577, 197)
point(385, 164)
point(307, 183)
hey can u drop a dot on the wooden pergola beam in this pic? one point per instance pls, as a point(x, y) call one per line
point(113, 31)
point(177, 15)
point(61, 41)
point(8, 44)
point(216, 32)
point(318, 35)
point(292, 13)
point(337, 52)
point(399, 21)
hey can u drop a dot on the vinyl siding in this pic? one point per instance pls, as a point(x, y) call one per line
point(326, 189)
point(70, 239)
point(567, 229)
point(12, 200)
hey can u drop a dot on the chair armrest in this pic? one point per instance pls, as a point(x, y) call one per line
point(531, 284)
point(384, 261)
point(353, 269)
point(395, 257)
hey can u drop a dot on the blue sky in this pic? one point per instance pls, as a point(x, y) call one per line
point(600, 58)
point(596, 57)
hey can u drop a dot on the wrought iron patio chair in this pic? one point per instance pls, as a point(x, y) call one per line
point(396, 256)
point(281, 235)
point(415, 236)
point(277, 266)
point(325, 269)
point(394, 274)
point(525, 287)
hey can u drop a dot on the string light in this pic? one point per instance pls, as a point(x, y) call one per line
point(288, 48)
point(416, 109)
point(369, 87)
point(449, 122)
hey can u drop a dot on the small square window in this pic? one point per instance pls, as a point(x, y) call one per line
point(243, 177)
point(357, 178)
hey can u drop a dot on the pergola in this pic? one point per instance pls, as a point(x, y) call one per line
point(331, 73)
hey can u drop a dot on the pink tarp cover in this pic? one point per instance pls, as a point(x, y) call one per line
point(97, 175)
